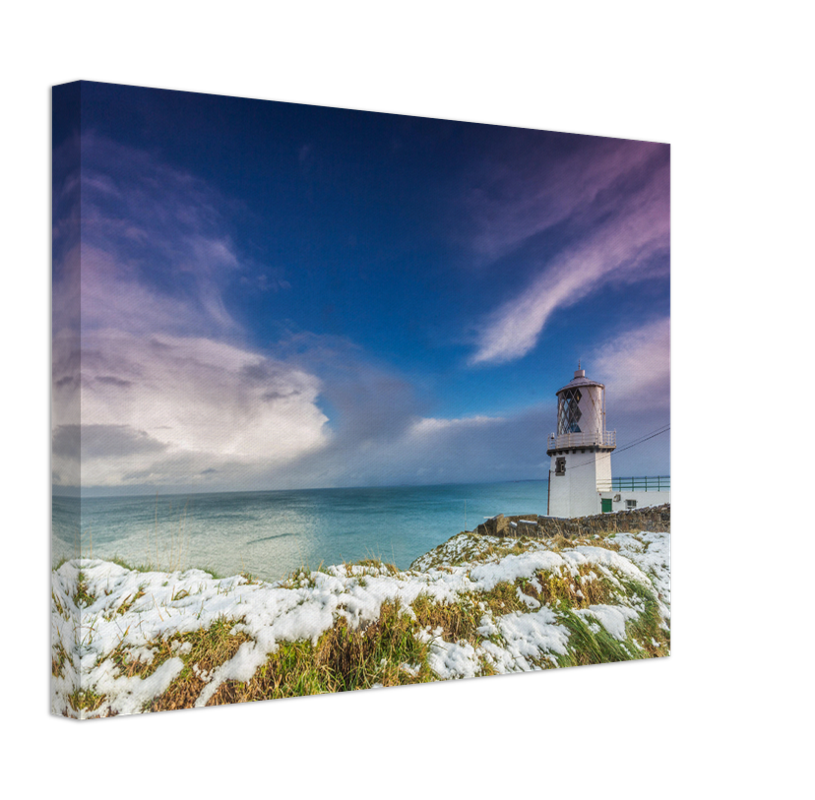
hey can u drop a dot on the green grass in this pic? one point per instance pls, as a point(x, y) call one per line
point(590, 647)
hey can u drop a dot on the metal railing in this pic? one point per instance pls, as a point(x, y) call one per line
point(660, 483)
point(604, 439)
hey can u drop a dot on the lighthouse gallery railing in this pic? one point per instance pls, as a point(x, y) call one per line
point(604, 439)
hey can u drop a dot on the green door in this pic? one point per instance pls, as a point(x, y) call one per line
point(606, 502)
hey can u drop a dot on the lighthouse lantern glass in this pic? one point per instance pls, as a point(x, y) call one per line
point(568, 412)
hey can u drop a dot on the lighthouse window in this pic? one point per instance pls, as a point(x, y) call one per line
point(560, 466)
point(568, 412)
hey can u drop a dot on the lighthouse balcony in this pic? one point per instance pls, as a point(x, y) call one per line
point(567, 441)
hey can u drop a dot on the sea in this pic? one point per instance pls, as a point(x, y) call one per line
point(271, 534)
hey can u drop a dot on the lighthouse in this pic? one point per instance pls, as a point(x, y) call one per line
point(580, 470)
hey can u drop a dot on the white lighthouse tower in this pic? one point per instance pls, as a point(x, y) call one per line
point(580, 450)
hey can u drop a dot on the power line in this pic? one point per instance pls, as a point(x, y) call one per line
point(645, 439)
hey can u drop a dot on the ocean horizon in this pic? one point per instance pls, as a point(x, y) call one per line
point(272, 533)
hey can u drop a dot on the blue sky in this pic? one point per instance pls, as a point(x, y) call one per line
point(284, 296)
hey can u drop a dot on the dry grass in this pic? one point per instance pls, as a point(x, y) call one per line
point(458, 621)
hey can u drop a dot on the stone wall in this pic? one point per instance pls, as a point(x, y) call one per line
point(654, 518)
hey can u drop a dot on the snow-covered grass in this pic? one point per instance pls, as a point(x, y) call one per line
point(126, 641)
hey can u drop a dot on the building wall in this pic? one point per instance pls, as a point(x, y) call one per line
point(644, 499)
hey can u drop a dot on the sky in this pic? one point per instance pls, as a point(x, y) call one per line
point(257, 295)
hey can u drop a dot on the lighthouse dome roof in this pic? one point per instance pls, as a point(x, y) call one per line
point(580, 380)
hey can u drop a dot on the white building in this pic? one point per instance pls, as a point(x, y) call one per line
point(580, 482)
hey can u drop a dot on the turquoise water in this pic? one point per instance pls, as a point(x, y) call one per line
point(270, 534)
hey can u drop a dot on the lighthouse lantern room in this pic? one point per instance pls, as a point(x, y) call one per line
point(581, 449)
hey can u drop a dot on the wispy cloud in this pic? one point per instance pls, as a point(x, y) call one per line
point(514, 201)
point(148, 228)
point(433, 425)
point(270, 281)
point(618, 208)
point(636, 366)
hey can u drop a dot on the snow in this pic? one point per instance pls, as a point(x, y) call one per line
point(612, 618)
point(511, 568)
point(529, 635)
point(453, 660)
point(133, 611)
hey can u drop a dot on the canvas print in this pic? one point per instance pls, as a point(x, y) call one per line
point(349, 400)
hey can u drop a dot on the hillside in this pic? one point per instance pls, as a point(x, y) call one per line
point(476, 605)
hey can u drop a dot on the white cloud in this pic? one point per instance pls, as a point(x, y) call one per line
point(154, 404)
